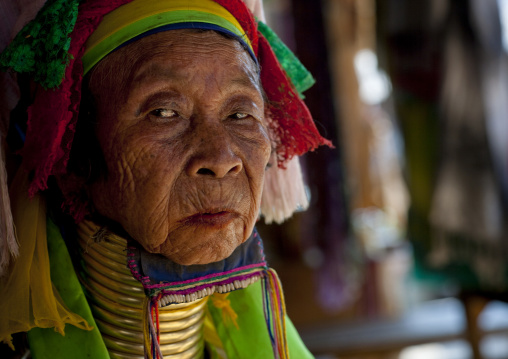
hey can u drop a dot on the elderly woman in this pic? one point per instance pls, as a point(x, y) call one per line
point(157, 187)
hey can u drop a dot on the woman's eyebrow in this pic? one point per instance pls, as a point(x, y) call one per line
point(246, 82)
point(245, 79)
point(151, 71)
point(248, 78)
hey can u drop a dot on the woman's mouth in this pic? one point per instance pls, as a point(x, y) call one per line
point(211, 218)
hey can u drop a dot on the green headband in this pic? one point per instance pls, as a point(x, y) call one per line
point(144, 17)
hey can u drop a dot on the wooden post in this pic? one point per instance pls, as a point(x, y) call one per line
point(473, 307)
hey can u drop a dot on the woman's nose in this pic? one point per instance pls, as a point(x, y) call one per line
point(214, 155)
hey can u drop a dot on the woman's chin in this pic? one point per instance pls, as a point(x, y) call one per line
point(202, 244)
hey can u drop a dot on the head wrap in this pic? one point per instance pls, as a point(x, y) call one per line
point(140, 18)
point(53, 115)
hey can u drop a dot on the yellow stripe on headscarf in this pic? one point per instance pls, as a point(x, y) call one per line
point(139, 16)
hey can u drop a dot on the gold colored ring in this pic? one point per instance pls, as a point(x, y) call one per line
point(128, 289)
point(176, 311)
point(182, 346)
point(110, 263)
point(134, 348)
point(117, 298)
point(115, 319)
point(130, 336)
point(112, 306)
point(123, 346)
point(165, 314)
point(195, 352)
point(134, 336)
point(174, 325)
point(134, 324)
point(182, 334)
point(122, 275)
point(120, 258)
point(113, 354)
point(131, 301)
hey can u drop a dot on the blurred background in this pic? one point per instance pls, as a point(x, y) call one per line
point(403, 252)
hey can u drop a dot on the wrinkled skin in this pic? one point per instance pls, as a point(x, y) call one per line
point(184, 141)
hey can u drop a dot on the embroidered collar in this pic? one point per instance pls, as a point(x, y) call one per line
point(170, 282)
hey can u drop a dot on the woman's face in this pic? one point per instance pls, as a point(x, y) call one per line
point(181, 128)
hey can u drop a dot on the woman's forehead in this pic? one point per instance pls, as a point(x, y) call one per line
point(177, 51)
point(189, 60)
point(188, 48)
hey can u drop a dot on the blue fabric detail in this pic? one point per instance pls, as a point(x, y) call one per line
point(160, 269)
point(20, 132)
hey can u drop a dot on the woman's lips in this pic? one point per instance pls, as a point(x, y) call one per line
point(210, 218)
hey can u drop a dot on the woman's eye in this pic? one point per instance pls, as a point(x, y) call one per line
point(239, 115)
point(163, 113)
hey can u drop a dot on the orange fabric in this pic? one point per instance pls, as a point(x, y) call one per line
point(222, 302)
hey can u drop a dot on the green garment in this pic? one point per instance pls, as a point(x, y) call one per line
point(77, 343)
point(250, 341)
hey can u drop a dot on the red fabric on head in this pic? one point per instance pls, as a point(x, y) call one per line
point(244, 17)
point(53, 115)
point(290, 118)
